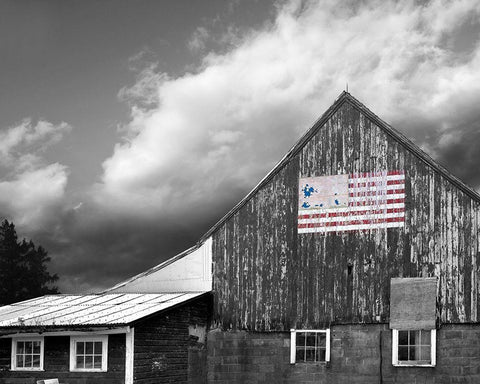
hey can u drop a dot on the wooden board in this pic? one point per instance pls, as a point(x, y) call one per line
point(413, 303)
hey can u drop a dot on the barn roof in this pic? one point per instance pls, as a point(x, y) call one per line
point(91, 310)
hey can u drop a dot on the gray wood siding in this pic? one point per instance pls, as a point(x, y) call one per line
point(266, 276)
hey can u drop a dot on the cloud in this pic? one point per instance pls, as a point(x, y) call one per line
point(198, 39)
point(30, 197)
point(216, 131)
point(20, 144)
point(143, 94)
point(196, 143)
point(31, 191)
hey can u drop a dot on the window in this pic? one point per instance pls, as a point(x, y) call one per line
point(414, 348)
point(88, 353)
point(309, 346)
point(27, 354)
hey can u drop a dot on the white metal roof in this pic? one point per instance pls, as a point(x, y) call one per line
point(96, 309)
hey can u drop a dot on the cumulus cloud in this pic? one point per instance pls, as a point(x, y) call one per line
point(216, 131)
point(31, 190)
point(30, 195)
point(21, 144)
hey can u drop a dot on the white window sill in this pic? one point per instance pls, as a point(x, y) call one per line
point(414, 365)
point(27, 370)
point(88, 370)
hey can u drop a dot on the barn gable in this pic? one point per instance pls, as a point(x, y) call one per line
point(268, 276)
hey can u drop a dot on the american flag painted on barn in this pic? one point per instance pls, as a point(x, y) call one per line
point(360, 201)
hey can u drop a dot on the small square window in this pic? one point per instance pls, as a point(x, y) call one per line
point(309, 346)
point(88, 354)
point(414, 347)
point(27, 354)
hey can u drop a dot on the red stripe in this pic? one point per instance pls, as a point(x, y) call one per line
point(352, 213)
point(375, 174)
point(354, 222)
point(365, 184)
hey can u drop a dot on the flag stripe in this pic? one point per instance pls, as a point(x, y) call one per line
point(373, 183)
point(352, 213)
point(350, 209)
point(352, 222)
point(351, 228)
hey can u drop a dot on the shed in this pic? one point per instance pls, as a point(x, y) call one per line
point(105, 338)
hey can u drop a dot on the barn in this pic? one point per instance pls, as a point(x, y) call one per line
point(356, 259)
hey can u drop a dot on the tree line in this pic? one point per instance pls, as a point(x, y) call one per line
point(23, 268)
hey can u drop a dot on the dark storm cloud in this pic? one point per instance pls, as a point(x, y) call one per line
point(93, 250)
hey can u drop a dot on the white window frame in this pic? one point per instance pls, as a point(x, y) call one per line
point(433, 348)
point(14, 353)
point(73, 352)
point(293, 344)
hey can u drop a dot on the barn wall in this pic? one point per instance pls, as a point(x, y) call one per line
point(57, 360)
point(171, 347)
point(267, 277)
point(360, 354)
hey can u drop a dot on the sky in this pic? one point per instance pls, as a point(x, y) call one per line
point(128, 128)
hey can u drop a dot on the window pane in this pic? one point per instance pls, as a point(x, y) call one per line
point(89, 347)
point(20, 362)
point(300, 356)
point(20, 347)
point(79, 362)
point(425, 339)
point(412, 353)
point(424, 354)
point(88, 361)
point(414, 337)
point(29, 347)
point(311, 339)
point(98, 348)
point(28, 361)
point(310, 354)
point(402, 337)
point(97, 362)
point(80, 348)
point(300, 339)
point(403, 353)
point(36, 347)
point(321, 340)
point(321, 354)
point(36, 361)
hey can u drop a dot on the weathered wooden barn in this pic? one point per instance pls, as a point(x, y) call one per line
point(356, 259)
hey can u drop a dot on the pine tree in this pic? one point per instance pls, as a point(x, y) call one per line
point(23, 269)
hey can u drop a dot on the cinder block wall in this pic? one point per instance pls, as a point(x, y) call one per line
point(359, 354)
